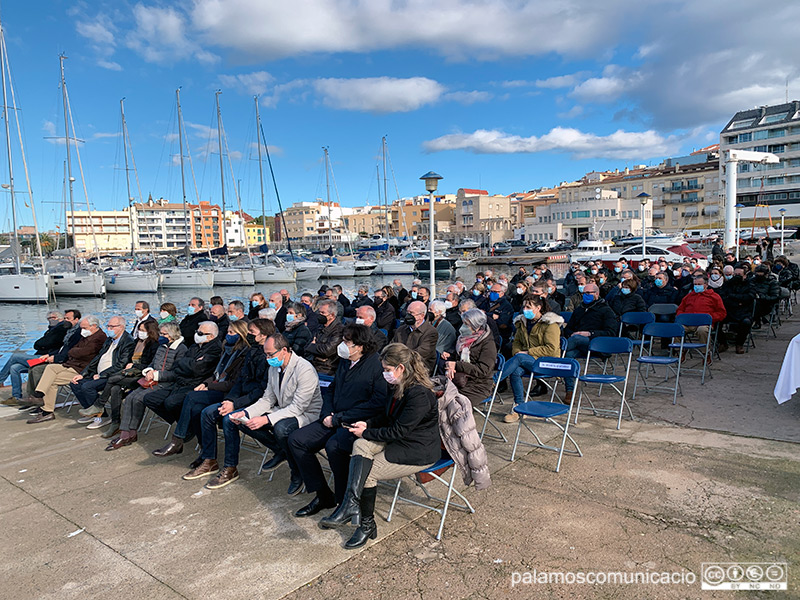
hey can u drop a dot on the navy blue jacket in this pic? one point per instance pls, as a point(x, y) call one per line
point(252, 379)
point(505, 316)
point(358, 393)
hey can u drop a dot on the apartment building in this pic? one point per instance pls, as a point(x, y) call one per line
point(100, 230)
point(255, 234)
point(368, 220)
point(409, 216)
point(482, 217)
point(765, 189)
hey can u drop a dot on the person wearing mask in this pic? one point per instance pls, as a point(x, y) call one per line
point(400, 293)
point(285, 297)
point(542, 289)
point(338, 296)
point(171, 348)
point(296, 330)
point(662, 292)
point(521, 289)
point(72, 337)
point(276, 304)
point(49, 343)
point(56, 374)
point(211, 391)
point(603, 281)
point(418, 334)
point(717, 253)
point(385, 311)
point(576, 299)
point(359, 393)
point(520, 276)
point(738, 296)
point(144, 350)
point(451, 313)
point(291, 400)
point(478, 295)
point(321, 350)
point(192, 369)
point(703, 300)
point(402, 441)
point(593, 318)
point(554, 294)
point(627, 299)
point(446, 342)
point(195, 314)
point(365, 315)
point(715, 279)
point(218, 315)
point(616, 276)
point(626, 275)
point(538, 334)
point(257, 302)
point(362, 298)
point(681, 279)
point(787, 272)
point(472, 363)
point(168, 313)
point(412, 296)
point(113, 357)
point(501, 311)
point(312, 323)
point(141, 311)
point(247, 389)
point(236, 312)
point(766, 285)
point(424, 295)
point(390, 297)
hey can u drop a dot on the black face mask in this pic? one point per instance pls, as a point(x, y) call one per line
point(378, 300)
point(322, 318)
point(410, 320)
point(251, 339)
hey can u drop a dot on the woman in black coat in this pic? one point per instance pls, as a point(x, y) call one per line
point(627, 300)
point(401, 442)
point(296, 331)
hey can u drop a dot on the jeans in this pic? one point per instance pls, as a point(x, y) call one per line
point(15, 366)
point(193, 405)
point(516, 367)
point(276, 438)
point(87, 390)
point(338, 443)
point(577, 347)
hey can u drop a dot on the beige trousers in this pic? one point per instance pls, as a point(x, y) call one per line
point(702, 332)
point(54, 376)
point(382, 469)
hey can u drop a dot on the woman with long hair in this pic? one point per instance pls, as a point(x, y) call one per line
point(257, 302)
point(400, 442)
point(168, 313)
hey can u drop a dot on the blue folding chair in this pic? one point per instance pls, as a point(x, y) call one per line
point(498, 371)
point(608, 347)
point(566, 315)
point(698, 320)
point(671, 364)
point(536, 409)
point(638, 319)
point(436, 364)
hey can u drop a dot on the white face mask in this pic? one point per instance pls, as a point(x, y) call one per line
point(85, 332)
point(343, 350)
point(139, 313)
point(448, 305)
point(200, 338)
point(359, 321)
point(142, 335)
point(520, 291)
point(163, 314)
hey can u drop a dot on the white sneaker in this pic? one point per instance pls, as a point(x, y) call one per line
point(99, 422)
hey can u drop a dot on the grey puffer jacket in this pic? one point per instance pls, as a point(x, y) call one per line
point(460, 435)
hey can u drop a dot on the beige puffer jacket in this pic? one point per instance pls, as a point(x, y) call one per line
point(461, 438)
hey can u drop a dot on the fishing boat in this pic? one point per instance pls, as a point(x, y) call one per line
point(588, 249)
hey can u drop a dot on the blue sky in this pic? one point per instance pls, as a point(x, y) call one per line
point(504, 95)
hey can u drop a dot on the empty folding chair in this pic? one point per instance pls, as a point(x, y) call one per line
point(547, 411)
point(671, 364)
point(637, 319)
point(697, 320)
point(607, 347)
point(489, 402)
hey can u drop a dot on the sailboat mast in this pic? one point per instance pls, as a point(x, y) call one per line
point(127, 172)
point(261, 177)
point(69, 161)
point(17, 264)
point(221, 170)
point(330, 216)
point(183, 178)
point(385, 196)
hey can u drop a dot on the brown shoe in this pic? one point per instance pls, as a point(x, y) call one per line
point(174, 447)
point(511, 417)
point(224, 477)
point(31, 401)
point(10, 401)
point(206, 468)
point(739, 349)
point(41, 418)
point(120, 442)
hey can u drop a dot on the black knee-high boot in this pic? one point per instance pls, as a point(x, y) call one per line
point(350, 509)
point(368, 529)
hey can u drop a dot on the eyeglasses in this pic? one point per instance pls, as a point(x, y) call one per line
point(272, 354)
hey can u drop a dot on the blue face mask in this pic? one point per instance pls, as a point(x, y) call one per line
point(659, 282)
point(231, 338)
point(190, 310)
point(528, 314)
point(271, 304)
point(618, 269)
point(233, 318)
point(625, 291)
point(162, 339)
point(494, 296)
point(274, 361)
point(777, 268)
point(580, 288)
point(414, 295)
point(588, 298)
point(728, 277)
point(254, 303)
point(698, 289)
point(476, 293)
point(289, 317)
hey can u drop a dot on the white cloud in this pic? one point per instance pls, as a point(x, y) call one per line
point(110, 65)
point(160, 35)
point(100, 135)
point(49, 127)
point(559, 81)
point(379, 94)
point(468, 98)
point(99, 30)
point(617, 145)
point(249, 83)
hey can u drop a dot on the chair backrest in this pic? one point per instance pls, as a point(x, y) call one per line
point(611, 345)
point(384, 332)
point(499, 365)
point(664, 330)
point(694, 319)
point(563, 343)
point(325, 380)
point(566, 315)
point(556, 367)
point(638, 318)
point(663, 309)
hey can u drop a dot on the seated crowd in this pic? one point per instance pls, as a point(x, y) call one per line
point(354, 377)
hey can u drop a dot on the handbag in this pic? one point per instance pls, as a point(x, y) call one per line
point(146, 383)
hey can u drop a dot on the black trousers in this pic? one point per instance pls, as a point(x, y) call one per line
point(167, 402)
point(338, 444)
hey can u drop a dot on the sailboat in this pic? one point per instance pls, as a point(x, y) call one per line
point(185, 277)
point(75, 280)
point(388, 265)
point(129, 280)
point(18, 282)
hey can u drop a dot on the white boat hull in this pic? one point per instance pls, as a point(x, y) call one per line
point(363, 268)
point(332, 271)
point(464, 262)
point(273, 274)
point(393, 267)
point(131, 281)
point(309, 272)
point(187, 278)
point(24, 288)
point(78, 284)
point(234, 277)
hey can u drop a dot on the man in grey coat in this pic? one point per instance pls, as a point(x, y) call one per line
point(292, 400)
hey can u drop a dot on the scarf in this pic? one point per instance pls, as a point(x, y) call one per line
point(464, 342)
point(716, 284)
point(298, 320)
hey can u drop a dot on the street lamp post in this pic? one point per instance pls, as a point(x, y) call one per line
point(643, 198)
point(739, 208)
point(431, 180)
point(783, 216)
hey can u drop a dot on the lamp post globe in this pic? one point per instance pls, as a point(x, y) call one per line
point(431, 180)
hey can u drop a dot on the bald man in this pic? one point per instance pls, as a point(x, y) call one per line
point(418, 334)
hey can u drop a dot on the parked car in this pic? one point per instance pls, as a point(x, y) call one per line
point(532, 247)
point(517, 243)
point(501, 248)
